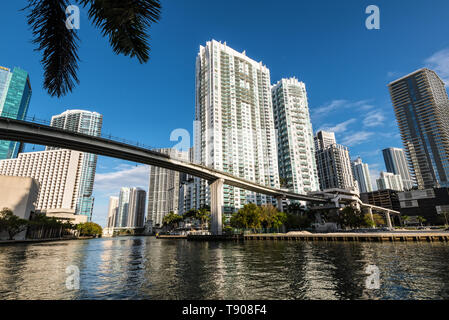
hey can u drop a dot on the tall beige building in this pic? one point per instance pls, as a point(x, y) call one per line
point(58, 173)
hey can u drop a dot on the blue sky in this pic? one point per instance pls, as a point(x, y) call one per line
point(346, 69)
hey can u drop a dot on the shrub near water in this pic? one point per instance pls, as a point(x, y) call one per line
point(89, 229)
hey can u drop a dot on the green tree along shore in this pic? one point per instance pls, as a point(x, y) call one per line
point(42, 227)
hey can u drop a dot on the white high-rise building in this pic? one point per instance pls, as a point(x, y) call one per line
point(163, 191)
point(112, 211)
point(131, 208)
point(234, 128)
point(361, 174)
point(58, 173)
point(296, 150)
point(123, 206)
point(388, 180)
point(89, 123)
point(333, 163)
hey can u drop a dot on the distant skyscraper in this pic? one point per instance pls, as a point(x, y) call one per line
point(333, 163)
point(388, 180)
point(89, 123)
point(15, 95)
point(163, 191)
point(112, 211)
point(396, 163)
point(421, 105)
point(187, 190)
point(123, 208)
point(136, 208)
point(296, 150)
point(324, 139)
point(361, 174)
point(57, 171)
point(234, 129)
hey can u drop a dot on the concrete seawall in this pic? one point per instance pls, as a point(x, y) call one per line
point(363, 237)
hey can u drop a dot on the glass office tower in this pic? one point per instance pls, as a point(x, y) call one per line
point(396, 163)
point(421, 105)
point(15, 95)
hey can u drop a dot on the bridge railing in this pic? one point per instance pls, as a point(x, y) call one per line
point(37, 120)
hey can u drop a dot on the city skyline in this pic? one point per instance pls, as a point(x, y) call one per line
point(321, 100)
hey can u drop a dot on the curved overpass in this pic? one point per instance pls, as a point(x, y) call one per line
point(16, 130)
point(30, 132)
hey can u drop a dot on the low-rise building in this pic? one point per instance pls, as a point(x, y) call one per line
point(382, 198)
point(427, 203)
point(65, 215)
point(19, 194)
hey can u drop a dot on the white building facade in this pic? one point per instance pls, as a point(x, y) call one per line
point(388, 180)
point(58, 173)
point(333, 163)
point(112, 211)
point(89, 123)
point(234, 124)
point(296, 150)
point(361, 174)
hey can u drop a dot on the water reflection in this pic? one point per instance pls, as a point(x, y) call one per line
point(147, 268)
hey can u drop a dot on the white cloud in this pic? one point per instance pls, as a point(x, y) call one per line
point(439, 62)
point(126, 176)
point(338, 128)
point(356, 138)
point(334, 105)
point(374, 119)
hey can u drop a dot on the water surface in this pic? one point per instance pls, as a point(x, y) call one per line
point(148, 268)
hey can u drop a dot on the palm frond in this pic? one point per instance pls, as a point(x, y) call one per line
point(126, 23)
point(59, 45)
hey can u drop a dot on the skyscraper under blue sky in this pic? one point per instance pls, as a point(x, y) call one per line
point(15, 95)
point(90, 123)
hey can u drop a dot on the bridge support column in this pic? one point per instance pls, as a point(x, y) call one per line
point(279, 204)
point(387, 215)
point(216, 206)
point(370, 212)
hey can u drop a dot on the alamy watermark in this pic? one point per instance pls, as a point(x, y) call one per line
point(373, 280)
point(72, 281)
point(373, 20)
point(73, 18)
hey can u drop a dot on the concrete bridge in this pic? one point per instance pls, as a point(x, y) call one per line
point(339, 197)
point(35, 133)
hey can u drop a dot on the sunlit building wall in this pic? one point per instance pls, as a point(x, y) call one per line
point(234, 129)
point(296, 150)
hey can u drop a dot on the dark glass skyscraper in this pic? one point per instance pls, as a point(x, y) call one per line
point(421, 105)
point(396, 163)
point(15, 95)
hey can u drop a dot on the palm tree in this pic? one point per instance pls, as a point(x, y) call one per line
point(124, 22)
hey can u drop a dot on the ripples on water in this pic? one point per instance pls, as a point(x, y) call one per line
point(147, 268)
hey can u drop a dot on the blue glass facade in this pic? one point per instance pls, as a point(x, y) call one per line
point(422, 110)
point(15, 96)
